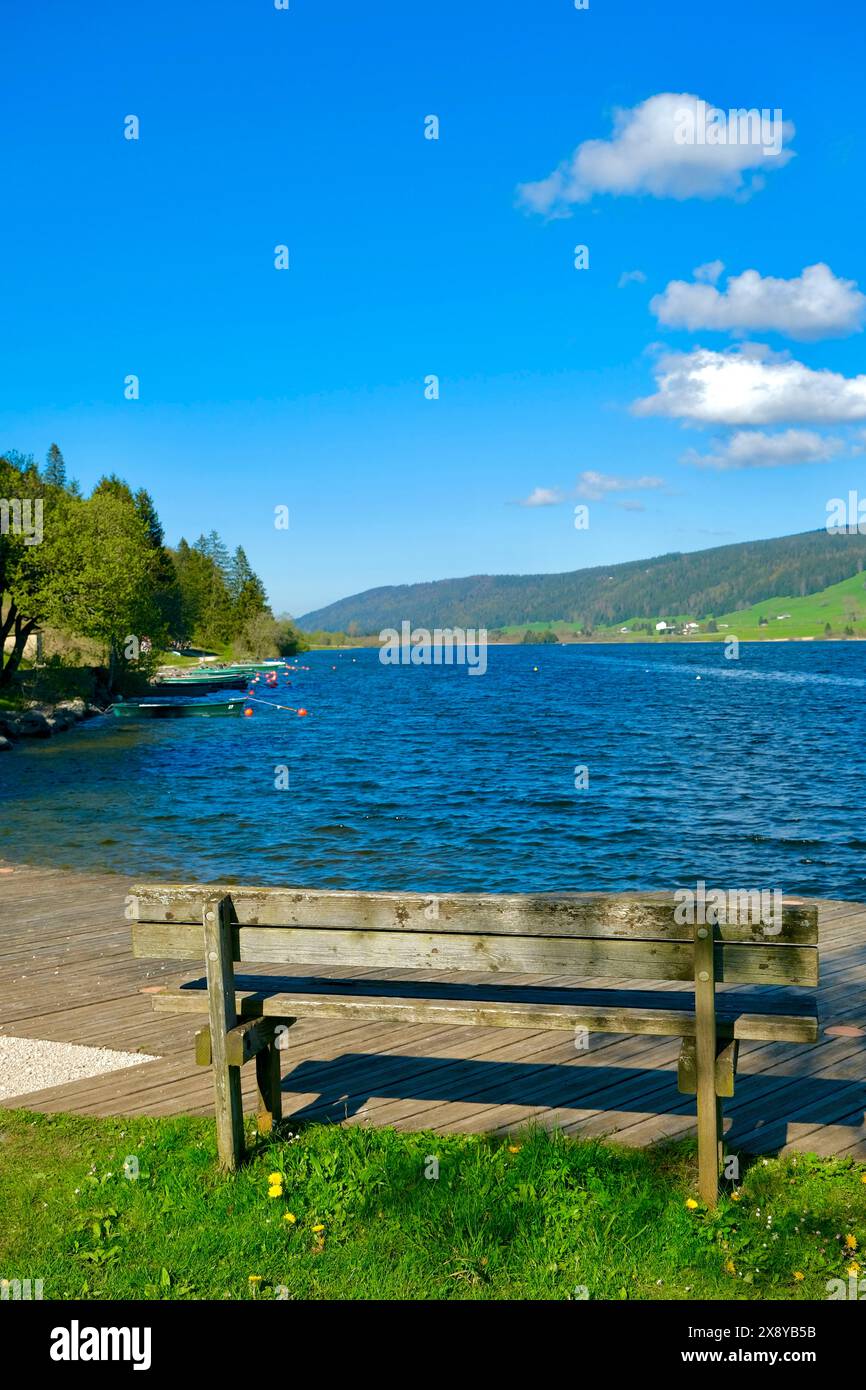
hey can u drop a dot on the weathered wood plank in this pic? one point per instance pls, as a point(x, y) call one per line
point(492, 1013)
point(639, 917)
point(625, 959)
point(709, 1115)
point(243, 1042)
point(221, 1011)
point(269, 1110)
point(726, 1066)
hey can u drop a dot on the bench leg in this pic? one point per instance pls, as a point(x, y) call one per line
point(270, 1109)
point(221, 1010)
point(705, 1047)
point(726, 1067)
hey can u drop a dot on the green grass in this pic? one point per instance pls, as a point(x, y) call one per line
point(119, 1208)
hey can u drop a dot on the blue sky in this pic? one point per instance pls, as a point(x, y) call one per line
point(411, 257)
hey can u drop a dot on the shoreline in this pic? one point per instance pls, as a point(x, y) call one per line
point(43, 720)
point(645, 640)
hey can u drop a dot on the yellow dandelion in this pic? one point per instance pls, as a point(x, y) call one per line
point(863, 1177)
point(730, 1267)
point(274, 1178)
point(514, 1148)
point(691, 1203)
point(275, 1191)
point(254, 1279)
point(735, 1197)
point(798, 1275)
point(316, 1229)
point(290, 1217)
point(853, 1270)
point(851, 1242)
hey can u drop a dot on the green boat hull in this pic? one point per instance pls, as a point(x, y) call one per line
point(133, 709)
point(196, 685)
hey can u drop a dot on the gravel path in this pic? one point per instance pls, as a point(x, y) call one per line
point(30, 1064)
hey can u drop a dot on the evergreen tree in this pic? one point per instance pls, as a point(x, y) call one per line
point(55, 468)
point(214, 548)
point(146, 509)
point(246, 589)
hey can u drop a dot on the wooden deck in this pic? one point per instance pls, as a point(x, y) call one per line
point(68, 975)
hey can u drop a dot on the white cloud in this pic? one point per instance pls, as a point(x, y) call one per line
point(647, 154)
point(750, 385)
point(629, 277)
point(543, 497)
point(757, 449)
point(709, 272)
point(597, 486)
point(813, 305)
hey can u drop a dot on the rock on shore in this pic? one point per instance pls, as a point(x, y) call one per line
point(41, 721)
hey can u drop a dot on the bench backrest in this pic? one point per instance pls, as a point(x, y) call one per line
point(588, 935)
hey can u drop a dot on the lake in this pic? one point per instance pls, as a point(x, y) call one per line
point(745, 773)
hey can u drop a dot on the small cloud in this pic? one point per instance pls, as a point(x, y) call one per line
point(673, 145)
point(597, 486)
point(757, 449)
point(815, 304)
point(631, 506)
point(710, 272)
point(543, 497)
point(629, 277)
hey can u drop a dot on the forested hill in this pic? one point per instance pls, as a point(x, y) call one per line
point(702, 583)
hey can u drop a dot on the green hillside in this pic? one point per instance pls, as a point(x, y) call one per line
point(841, 608)
point(777, 575)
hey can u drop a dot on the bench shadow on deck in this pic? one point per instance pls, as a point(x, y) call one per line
point(346, 1084)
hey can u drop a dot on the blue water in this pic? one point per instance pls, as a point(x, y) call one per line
point(433, 780)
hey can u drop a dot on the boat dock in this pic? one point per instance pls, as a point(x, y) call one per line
point(69, 976)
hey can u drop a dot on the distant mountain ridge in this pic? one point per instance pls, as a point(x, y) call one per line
point(704, 582)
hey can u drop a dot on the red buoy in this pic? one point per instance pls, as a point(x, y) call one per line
point(302, 711)
point(248, 712)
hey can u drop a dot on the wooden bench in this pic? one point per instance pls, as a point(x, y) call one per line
point(570, 936)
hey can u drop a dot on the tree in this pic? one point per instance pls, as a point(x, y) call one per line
point(55, 468)
point(146, 509)
point(214, 548)
point(265, 636)
point(166, 589)
point(103, 581)
point(246, 589)
point(28, 544)
point(110, 485)
point(205, 604)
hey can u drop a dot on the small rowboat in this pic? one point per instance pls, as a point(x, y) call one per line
point(153, 709)
point(197, 685)
point(244, 669)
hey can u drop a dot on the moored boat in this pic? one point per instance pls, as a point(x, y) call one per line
point(197, 685)
point(155, 709)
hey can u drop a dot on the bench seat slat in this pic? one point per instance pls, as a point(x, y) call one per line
point(630, 916)
point(503, 1014)
point(633, 960)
